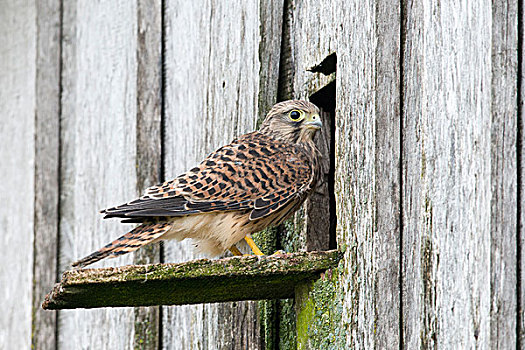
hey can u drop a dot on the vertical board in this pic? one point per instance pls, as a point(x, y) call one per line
point(17, 126)
point(504, 163)
point(47, 114)
point(98, 148)
point(521, 171)
point(459, 175)
point(387, 231)
point(306, 43)
point(367, 172)
point(216, 64)
point(149, 148)
point(365, 293)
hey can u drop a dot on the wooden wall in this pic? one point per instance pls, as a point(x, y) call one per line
point(427, 177)
point(221, 69)
point(100, 100)
point(17, 151)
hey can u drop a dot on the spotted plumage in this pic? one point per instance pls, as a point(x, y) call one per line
point(256, 181)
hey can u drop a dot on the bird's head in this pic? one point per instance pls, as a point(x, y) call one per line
point(292, 121)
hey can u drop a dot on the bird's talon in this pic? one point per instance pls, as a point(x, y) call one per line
point(253, 246)
point(279, 252)
point(235, 251)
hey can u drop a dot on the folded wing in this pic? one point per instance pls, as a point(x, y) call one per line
point(254, 173)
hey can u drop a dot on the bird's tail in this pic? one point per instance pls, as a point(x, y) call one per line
point(131, 241)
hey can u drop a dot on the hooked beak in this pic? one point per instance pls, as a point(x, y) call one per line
point(313, 122)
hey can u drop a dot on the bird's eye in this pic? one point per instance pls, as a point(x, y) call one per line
point(295, 115)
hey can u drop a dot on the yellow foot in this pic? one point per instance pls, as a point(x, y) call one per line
point(251, 243)
point(279, 252)
point(235, 251)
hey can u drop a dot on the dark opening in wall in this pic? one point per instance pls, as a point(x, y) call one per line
point(321, 206)
point(327, 66)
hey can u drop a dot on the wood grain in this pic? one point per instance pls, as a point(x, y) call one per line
point(47, 130)
point(504, 190)
point(307, 28)
point(17, 102)
point(459, 181)
point(443, 74)
point(191, 282)
point(365, 37)
point(387, 231)
point(521, 183)
point(270, 32)
point(149, 148)
point(98, 151)
point(367, 172)
point(214, 93)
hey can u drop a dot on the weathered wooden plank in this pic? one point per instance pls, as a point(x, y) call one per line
point(17, 103)
point(220, 76)
point(504, 200)
point(270, 31)
point(98, 151)
point(367, 173)
point(429, 143)
point(303, 48)
point(386, 253)
point(365, 37)
point(459, 175)
point(521, 183)
point(149, 148)
point(192, 282)
point(149, 94)
point(47, 130)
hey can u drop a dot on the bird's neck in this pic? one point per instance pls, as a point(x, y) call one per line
point(306, 136)
point(290, 135)
point(314, 158)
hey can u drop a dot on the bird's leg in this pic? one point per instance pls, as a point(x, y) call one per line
point(235, 251)
point(251, 243)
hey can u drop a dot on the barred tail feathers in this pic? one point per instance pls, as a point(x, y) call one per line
point(131, 241)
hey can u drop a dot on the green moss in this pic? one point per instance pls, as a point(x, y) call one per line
point(291, 238)
point(267, 240)
point(267, 320)
point(146, 328)
point(291, 241)
point(277, 316)
point(242, 278)
point(319, 306)
point(305, 315)
point(287, 325)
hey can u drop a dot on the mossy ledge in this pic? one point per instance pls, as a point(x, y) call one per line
point(193, 282)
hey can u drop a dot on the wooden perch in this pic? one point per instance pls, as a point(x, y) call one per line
point(193, 282)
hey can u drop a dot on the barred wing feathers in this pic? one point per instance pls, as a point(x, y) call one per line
point(255, 173)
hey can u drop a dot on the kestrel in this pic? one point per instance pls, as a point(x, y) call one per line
point(256, 181)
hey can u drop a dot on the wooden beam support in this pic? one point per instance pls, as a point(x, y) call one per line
point(193, 282)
